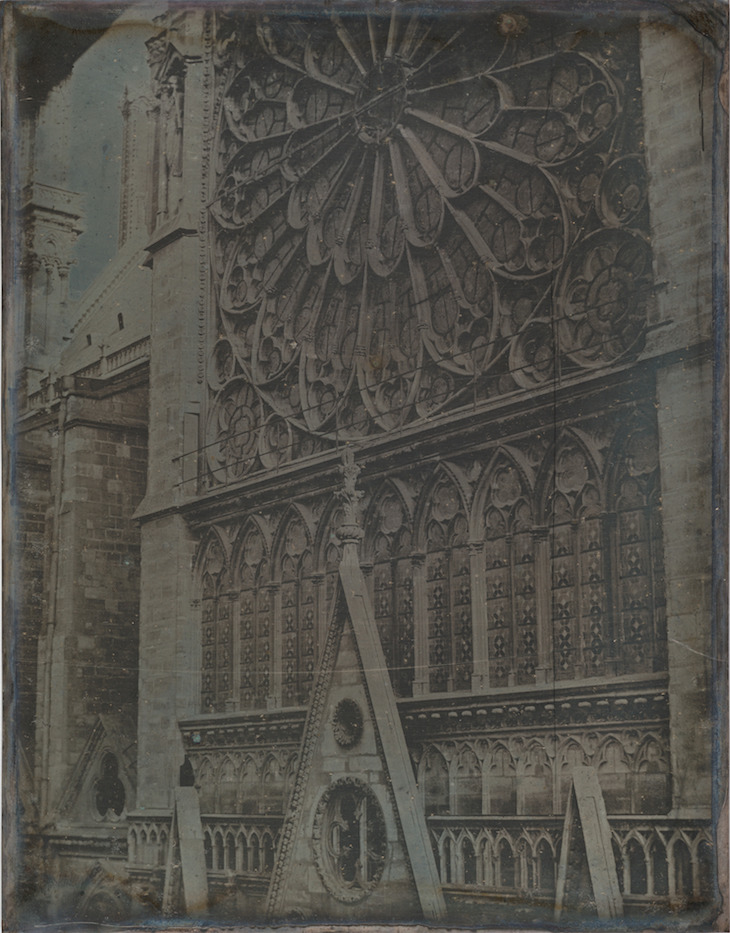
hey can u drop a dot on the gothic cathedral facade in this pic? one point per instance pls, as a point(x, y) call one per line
point(471, 253)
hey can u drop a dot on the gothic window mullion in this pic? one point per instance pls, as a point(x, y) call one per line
point(448, 621)
point(525, 612)
point(306, 651)
point(656, 575)
point(611, 572)
point(289, 642)
point(437, 620)
point(514, 632)
point(564, 593)
point(223, 655)
point(276, 676)
point(393, 636)
point(460, 642)
point(235, 651)
point(453, 617)
point(404, 626)
point(321, 615)
point(498, 583)
point(479, 616)
point(264, 599)
point(247, 653)
point(592, 600)
point(637, 617)
point(383, 601)
point(420, 625)
point(579, 668)
point(543, 608)
point(209, 645)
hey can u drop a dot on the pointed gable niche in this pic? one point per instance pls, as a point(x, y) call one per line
point(354, 843)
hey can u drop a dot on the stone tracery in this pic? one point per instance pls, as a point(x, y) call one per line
point(566, 539)
point(399, 229)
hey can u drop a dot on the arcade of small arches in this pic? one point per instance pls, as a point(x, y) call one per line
point(493, 859)
point(249, 849)
point(245, 783)
point(511, 775)
point(651, 861)
point(520, 776)
point(148, 843)
point(527, 563)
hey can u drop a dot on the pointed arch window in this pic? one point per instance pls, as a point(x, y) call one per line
point(272, 787)
point(536, 784)
point(435, 776)
point(468, 861)
point(228, 788)
point(706, 871)
point(392, 583)
point(506, 865)
point(297, 614)
point(652, 787)
point(468, 789)
point(614, 778)
point(572, 757)
point(501, 783)
point(510, 579)
point(249, 787)
point(660, 871)
point(205, 782)
point(255, 621)
point(448, 589)
point(578, 565)
point(682, 869)
point(636, 858)
point(217, 632)
point(332, 555)
point(545, 864)
point(640, 564)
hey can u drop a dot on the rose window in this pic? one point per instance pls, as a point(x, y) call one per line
point(413, 214)
point(350, 840)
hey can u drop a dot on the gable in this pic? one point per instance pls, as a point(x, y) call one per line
point(102, 787)
point(354, 842)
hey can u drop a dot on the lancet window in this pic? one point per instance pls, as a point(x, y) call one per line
point(255, 602)
point(298, 608)
point(392, 584)
point(639, 559)
point(448, 589)
point(510, 579)
point(217, 644)
point(580, 639)
point(566, 559)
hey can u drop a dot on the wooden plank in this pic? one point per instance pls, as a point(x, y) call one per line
point(192, 850)
point(393, 742)
point(586, 851)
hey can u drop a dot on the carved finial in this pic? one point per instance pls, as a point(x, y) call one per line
point(350, 497)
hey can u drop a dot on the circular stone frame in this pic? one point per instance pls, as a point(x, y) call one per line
point(328, 824)
point(347, 723)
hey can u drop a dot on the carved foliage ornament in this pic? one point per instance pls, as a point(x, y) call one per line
point(411, 215)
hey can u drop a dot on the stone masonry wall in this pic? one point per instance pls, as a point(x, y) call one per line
point(32, 492)
point(96, 599)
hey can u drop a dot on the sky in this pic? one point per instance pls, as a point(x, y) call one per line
point(95, 92)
